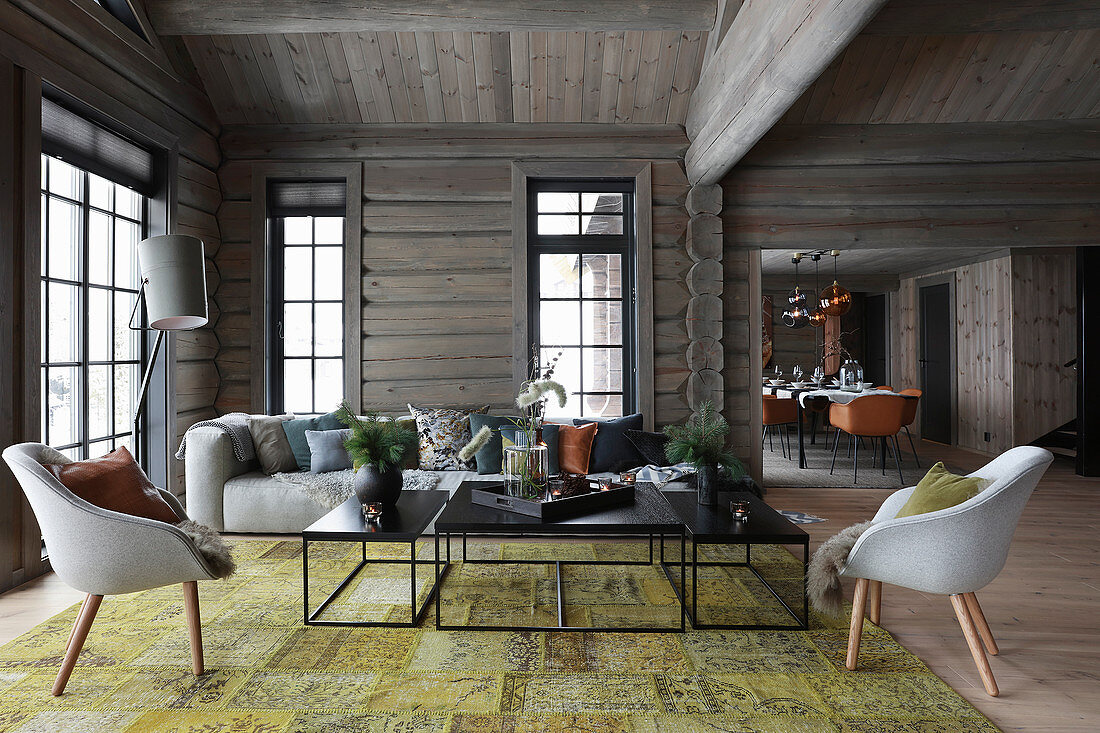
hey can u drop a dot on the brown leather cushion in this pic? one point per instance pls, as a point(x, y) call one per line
point(575, 447)
point(115, 482)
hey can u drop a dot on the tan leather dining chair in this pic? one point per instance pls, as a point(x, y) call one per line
point(910, 416)
point(779, 413)
point(872, 416)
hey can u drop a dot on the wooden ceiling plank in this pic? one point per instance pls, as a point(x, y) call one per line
point(317, 57)
point(209, 66)
point(908, 55)
point(628, 76)
point(666, 69)
point(539, 84)
point(645, 89)
point(395, 75)
point(905, 17)
point(314, 103)
point(1086, 74)
point(341, 77)
point(1035, 49)
point(930, 92)
point(593, 76)
point(286, 105)
point(376, 76)
point(920, 76)
point(429, 71)
point(689, 60)
point(519, 48)
point(500, 45)
point(243, 58)
point(287, 79)
point(448, 75)
point(821, 90)
point(609, 74)
point(360, 76)
point(467, 81)
point(414, 76)
point(1039, 76)
point(860, 110)
point(556, 43)
point(574, 76)
point(727, 11)
point(483, 74)
point(849, 75)
point(1064, 76)
point(1012, 61)
point(198, 17)
point(978, 74)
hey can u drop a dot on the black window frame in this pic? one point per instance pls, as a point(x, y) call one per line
point(624, 244)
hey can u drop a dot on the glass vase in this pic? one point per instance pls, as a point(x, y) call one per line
point(851, 373)
point(526, 471)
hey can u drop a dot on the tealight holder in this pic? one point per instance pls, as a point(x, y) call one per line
point(604, 484)
point(372, 512)
point(627, 477)
point(740, 510)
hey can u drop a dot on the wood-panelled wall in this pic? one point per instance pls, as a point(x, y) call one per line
point(436, 252)
point(84, 52)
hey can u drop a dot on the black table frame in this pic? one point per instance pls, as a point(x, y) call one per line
point(416, 615)
point(801, 624)
point(625, 531)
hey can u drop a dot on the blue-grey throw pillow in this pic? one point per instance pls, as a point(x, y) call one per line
point(612, 451)
point(549, 436)
point(326, 450)
point(296, 435)
point(490, 456)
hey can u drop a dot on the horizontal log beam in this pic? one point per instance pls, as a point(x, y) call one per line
point(770, 55)
point(855, 283)
point(202, 17)
point(911, 17)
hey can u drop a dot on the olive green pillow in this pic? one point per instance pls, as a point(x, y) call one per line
point(940, 489)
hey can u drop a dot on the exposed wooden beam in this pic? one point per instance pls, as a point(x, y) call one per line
point(727, 11)
point(909, 17)
point(770, 55)
point(855, 283)
point(202, 17)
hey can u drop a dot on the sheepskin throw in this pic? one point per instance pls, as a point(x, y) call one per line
point(333, 488)
point(211, 546)
point(823, 574)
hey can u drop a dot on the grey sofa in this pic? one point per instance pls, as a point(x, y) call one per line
point(231, 496)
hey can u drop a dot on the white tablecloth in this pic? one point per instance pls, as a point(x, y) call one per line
point(839, 396)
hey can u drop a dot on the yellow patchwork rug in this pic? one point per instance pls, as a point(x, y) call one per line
point(267, 673)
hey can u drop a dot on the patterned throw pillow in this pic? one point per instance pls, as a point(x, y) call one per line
point(442, 434)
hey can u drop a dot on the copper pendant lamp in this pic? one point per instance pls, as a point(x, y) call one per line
point(797, 314)
point(835, 300)
point(817, 316)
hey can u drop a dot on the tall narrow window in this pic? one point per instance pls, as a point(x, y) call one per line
point(307, 276)
point(581, 295)
point(91, 360)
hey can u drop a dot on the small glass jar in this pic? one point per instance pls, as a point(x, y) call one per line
point(740, 510)
point(851, 374)
point(526, 471)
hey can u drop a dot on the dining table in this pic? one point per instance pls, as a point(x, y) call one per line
point(818, 397)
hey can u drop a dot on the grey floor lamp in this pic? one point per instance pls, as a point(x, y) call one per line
point(173, 283)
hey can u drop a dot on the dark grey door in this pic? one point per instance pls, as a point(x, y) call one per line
point(936, 335)
point(876, 350)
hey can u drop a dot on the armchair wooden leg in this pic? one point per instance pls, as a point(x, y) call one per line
point(194, 624)
point(981, 623)
point(975, 644)
point(859, 604)
point(874, 601)
point(76, 642)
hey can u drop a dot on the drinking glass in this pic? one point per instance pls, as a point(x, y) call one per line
point(797, 372)
point(778, 371)
point(819, 374)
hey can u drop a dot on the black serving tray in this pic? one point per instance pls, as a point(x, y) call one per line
point(496, 497)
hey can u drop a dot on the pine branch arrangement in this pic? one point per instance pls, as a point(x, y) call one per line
point(702, 441)
point(375, 440)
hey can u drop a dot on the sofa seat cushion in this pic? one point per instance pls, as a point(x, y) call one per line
point(256, 502)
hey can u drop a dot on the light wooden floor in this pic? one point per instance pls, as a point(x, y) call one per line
point(1044, 609)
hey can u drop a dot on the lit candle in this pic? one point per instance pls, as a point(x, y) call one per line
point(740, 510)
point(372, 511)
point(605, 484)
point(627, 478)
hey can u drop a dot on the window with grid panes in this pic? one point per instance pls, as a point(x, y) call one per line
point(91, 360)
point(581, 294)
point(308, 313)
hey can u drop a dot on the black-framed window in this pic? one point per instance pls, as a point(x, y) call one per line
point(91, 360)
point(581, 297)
point(307, 309)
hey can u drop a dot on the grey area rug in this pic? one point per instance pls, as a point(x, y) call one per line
point(779, 472)
point(333, 488)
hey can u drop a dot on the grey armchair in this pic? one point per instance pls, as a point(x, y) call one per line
point(954, 552)
point(101, 552)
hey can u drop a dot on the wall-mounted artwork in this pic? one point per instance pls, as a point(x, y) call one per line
point(766, 309)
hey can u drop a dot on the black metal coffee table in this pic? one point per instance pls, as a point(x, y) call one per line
point(649, 516)
point(415, 510)
point(716, 526)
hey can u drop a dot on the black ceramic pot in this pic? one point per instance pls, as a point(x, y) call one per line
point(706, 485)
point(372, 485)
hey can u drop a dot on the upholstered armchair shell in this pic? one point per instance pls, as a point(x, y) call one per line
point(101, 552)
point(954, 552)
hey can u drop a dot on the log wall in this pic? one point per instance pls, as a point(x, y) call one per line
point(436, 252)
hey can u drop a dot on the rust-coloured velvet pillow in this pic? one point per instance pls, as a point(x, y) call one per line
point(115, 482)
point(575, 447)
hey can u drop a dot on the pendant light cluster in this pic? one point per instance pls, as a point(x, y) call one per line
point(833, 300)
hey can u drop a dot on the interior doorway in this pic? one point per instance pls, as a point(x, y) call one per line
point(876, 341)
point(936, 304)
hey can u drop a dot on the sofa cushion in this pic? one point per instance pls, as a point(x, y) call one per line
point(296, 435)
point(514, 436)
point(941, 489)
point(651, 446)
point(273, 450)
point(611, 450)
point(489, 458)
point(115, 482)
point(575, 447)
point(442, 434)
point(327, 451)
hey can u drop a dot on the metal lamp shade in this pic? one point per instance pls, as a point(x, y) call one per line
point(173, 267)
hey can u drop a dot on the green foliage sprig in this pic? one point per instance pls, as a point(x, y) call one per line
point(702, 442)
point(375, 440)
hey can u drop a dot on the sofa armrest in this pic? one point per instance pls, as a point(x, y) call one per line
point(209, 464)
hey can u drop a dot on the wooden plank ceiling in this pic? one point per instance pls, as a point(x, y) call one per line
point(386, 77)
